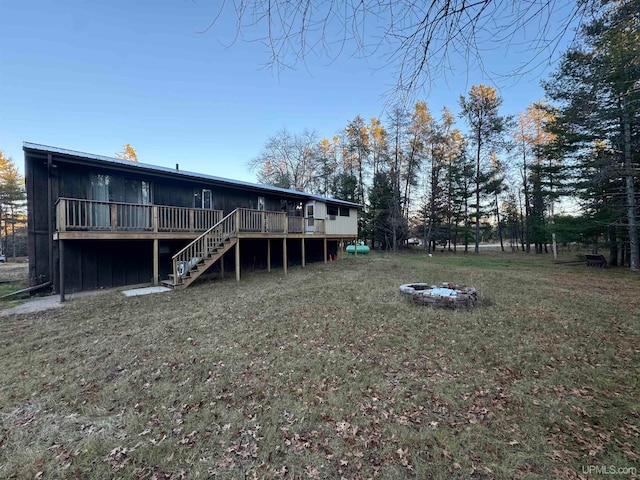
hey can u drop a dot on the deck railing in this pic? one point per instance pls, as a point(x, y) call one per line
point(317, 227)
point(306, 225)
point(179, 219)
point(74, 214)
point(259, 221)
point(295, 224)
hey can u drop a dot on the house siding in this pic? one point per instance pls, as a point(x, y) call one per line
point(343, 225)
point(91, 263)
point(37, 221)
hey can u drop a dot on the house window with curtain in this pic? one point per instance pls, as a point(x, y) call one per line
point(99, 214)
point(130, 196)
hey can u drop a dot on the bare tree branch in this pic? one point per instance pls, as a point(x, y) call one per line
point(421, 40)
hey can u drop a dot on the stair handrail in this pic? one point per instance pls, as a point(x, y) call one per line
point(224, 229)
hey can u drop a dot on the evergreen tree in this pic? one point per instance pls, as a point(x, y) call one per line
point(597, 87)
point(480, 109)
point(12, 198)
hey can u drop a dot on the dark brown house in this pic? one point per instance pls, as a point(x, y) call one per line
point(97, 222)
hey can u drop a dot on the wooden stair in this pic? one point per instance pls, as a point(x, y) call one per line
point(194, 259)
point(203, 264)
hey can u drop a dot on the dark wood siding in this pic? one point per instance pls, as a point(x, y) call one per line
point(73, 183)
point(181, 194)
point(37, 219)
point(178, 194)
point(92, 264)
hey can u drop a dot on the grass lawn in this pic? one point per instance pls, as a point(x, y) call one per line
point(329, 373)
point(14, 276)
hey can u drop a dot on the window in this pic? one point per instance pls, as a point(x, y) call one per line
point(100, 187)
point(332, 210)
point(344, 211)
point(207, 200)
point(202, 198)
point(136, 191)
point(108, 188)
point(100, 216)
point(261, 204)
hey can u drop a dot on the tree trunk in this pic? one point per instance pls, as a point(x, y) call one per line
point(407, 186)
point(613, 246)
point(527, 205)
point(521, 225)
point(13, 232)
point(630, 191)
point(1, 238)
point(499, 225)
point(6, 232)
point(425, 235)
point(466, 226)
point(360, 181)
point(394, 239)
point(477, 249)
point(554, 245)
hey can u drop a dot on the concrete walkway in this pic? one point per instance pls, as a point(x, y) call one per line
point(41, 304)
point(34, 305)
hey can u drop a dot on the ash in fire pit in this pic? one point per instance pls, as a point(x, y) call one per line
point(447, 295)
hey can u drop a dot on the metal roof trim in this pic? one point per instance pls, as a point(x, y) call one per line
point(184, 173)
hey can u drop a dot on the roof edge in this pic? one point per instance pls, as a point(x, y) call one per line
point(183, 173)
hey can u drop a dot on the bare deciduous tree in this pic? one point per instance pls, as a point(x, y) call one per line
point(288, 161)
point(421, 40)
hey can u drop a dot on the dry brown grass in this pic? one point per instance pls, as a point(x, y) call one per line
point(329, 373)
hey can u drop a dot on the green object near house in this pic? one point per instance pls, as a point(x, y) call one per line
point(361, 249)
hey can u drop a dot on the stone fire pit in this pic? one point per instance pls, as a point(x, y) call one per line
point(447, 295)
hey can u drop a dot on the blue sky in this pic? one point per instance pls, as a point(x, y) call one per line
point(92, 76)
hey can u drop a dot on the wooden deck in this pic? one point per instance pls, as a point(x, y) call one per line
point(78, 219)
point(194, 259)
point(211, 234)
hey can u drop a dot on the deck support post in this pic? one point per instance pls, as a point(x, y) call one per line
point(304, 260)
point(325, 249)
point(155, 262)
point(268, 255)
point(284, 255)
point(61, 255)
point(238, 260)
point(222, 266)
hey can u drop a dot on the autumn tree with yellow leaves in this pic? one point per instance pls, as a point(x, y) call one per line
point(127, 153)
point(12, 201)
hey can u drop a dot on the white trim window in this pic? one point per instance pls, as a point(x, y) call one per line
point(203, 198)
